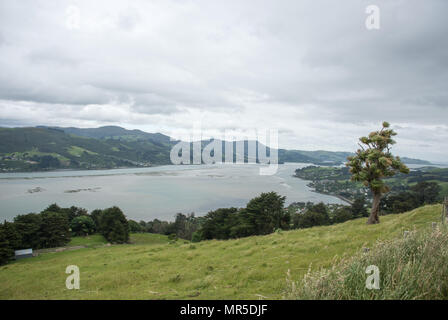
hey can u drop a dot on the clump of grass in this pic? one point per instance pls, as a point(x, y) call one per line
point(177, 278)
point(414, 267)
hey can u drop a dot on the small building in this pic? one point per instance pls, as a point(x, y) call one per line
point(25, 253)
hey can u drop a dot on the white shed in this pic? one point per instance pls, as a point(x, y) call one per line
point(25, 253)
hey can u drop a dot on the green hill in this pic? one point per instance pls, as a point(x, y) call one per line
point(30, 149)
point(246, 268)
point(50, 148)
point(117, 133)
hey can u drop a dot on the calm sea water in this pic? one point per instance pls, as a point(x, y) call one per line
point(149, 193)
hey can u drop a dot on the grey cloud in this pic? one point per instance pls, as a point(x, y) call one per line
point(241, 63)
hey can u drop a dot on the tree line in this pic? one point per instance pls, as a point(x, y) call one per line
point(266, 213)
point(262, 215)
point(420, 194)
point(54, 227)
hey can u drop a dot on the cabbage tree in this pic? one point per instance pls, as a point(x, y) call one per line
point(374, 162)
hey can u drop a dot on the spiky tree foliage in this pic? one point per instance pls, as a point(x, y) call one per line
point(373, 162)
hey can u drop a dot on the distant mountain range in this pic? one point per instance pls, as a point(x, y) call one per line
point(48, 148)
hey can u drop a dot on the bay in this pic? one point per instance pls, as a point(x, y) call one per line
point(149, 193)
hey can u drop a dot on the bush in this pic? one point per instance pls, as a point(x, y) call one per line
point(410, 268)
point(196, 237)
point(114, 226)
point(342, 214)
point(82, 225)
point(172, 237)
point(310, 219)
point(418, 195)
point(134, 226)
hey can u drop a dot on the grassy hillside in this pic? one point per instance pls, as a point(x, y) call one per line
point(410, 268)
point(118, 133)
point(88, 241)
point(27, 149)
point(135, 238)
point(245, 268)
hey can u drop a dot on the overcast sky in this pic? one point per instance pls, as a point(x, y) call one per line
point(310, 69)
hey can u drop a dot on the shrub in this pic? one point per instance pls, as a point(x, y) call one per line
point(82, 225)
point(134, 226)
point(114, 226)
point(196, 236)
point(310, 219)
point(172, 237)
point(342, 214)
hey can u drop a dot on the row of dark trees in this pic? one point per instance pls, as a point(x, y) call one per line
point(184, 226)
point(262, 215)
point(266, 213)
point(34, 230)
point(54, 226)
point(111, 222)
point(420, 194)
point(321, 215)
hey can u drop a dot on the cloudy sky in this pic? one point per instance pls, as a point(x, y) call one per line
point(310, 69)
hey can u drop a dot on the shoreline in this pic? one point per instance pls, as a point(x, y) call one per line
point(334, 195)
point(325, 193)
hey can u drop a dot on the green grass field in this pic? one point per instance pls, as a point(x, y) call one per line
point(88, 241)
point(36, 152)
point(78, 151)
point(97, 240)
point(148, 238)
point(247, 268)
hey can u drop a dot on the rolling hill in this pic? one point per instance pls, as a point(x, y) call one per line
point(49, 148)
point(26, 149)
point(246, 268)
point(117, 133)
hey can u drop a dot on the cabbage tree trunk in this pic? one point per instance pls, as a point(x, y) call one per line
point(374, 214)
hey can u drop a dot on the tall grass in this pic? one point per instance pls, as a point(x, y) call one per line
point(413, 267)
